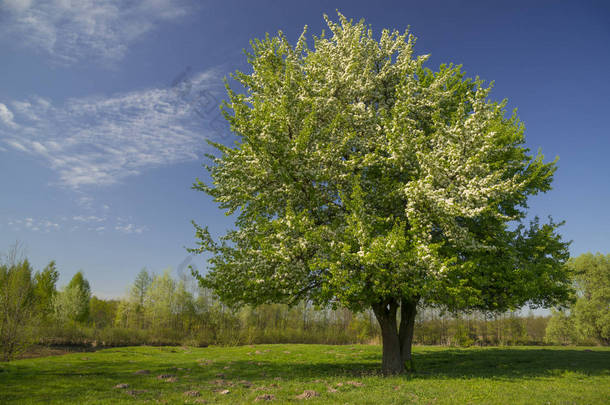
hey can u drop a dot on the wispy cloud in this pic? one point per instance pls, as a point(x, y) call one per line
point(73, 30)
point(101, 140)
point(90, 218)
point(85, 201)
point(129, 228)
point(89, 223)
point(32, 224)
point(6, 116)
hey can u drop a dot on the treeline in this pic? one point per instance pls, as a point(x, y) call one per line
point(588, 319)
point(433, 327)
point(161, 310)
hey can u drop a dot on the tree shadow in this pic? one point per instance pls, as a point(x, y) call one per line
point(100, 375)
point(507, 363)
point(430, 363)
point(494, 363)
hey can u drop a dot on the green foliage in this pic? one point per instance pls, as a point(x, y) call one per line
point(73, 302)
point(433, 327)
point(165, 301)
point(46, 290)
point(173, 313)
point(560, 329)
point(525, 375)
point(138, 292)
point(362, 179)
point(535, 327)
point(592, 309)
point(102, 312)
point(589, 318)
point(141, 286)
point(17, 293)
point(131, 311)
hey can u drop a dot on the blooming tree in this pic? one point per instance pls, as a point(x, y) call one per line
point(362, 179)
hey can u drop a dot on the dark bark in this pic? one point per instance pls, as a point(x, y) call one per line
point(391, 362)
point(408, 310)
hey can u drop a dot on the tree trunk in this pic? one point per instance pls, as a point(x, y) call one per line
point(408, 310)
point(391, 362)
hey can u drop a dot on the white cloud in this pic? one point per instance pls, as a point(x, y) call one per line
point(129, 228)
point(16, 145)
point(90, 218)
point(89, 223)
point(72, 30)
point(101, 140)
point(6, 116)
point(85, 201)
point(34, 224)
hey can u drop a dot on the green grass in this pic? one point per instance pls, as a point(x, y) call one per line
point(520, 375)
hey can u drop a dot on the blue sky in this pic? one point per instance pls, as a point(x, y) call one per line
point(105, 107)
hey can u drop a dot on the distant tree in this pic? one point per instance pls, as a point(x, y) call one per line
point(364, 180)
point(536, 327)
point(73, 302)
point(126, 316)
point(560, 329)
point(138, 293)
point(102, 312)
point(159, 302)
point(592, 309)
point(184, 306)
point(45, 290)
point(83, 289)
point(17, 304)
point(140, 286)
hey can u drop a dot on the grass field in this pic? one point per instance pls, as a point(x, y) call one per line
point(283, 373)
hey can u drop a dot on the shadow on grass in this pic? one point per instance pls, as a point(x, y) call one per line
point(510, 363)
point(500, 363)
point(99, 375)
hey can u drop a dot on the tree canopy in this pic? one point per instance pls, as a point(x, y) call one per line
point(363, 179)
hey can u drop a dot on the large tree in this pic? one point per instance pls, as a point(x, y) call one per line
point(362, 179)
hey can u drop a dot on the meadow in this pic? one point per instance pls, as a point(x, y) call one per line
point(322, 374)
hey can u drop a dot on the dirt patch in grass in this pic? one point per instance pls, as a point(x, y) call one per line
point(308, 394)
point(266, 397)
point(46, 351)
point(136, 392)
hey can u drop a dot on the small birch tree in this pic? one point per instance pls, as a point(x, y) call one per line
point(362, 179)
